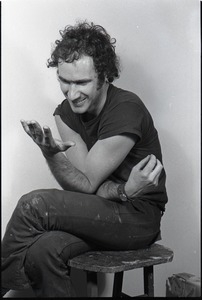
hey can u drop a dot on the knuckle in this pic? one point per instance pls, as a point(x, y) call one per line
point(151, 179)
point(144, 176)
point(152, 182)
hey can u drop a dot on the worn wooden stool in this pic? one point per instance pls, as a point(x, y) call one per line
point(119, 261)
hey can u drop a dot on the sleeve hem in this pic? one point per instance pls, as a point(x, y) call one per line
point(118, 132)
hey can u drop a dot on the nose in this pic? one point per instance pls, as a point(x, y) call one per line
point(73, 92)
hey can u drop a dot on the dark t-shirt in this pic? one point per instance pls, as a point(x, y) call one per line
point(123, 113)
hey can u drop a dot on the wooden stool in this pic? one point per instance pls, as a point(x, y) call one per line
point(119, 261)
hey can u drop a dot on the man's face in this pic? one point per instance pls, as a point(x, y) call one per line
point(79, 83)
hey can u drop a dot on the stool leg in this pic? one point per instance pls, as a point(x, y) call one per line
point(149, 281)
point(92, 288)
point(118, 281)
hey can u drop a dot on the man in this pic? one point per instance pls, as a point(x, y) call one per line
point(109, 165)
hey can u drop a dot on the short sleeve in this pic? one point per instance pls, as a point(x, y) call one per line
point(126, 117)
point(68, 117)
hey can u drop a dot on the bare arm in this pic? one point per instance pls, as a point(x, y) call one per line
point(103, 158)
point(77, 154)
point(146, 173)
point(72, 178)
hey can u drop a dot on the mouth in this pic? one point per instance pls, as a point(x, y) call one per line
point(78, 102)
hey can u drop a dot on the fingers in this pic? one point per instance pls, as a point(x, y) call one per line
point(157, 172)
point(36, 131)
point(48, 139)
point(67, 145)
point(33, 129)
point(63, 146)
point(43, 137)
point(153, 175)
point(151, 164)
point(143, 163)
point(56, 145)
point(26, 127)
point(151, 169)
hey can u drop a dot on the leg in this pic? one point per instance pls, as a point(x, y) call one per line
point(149, 281)
point(117, 288)
point(105, 223)
point(46, 263)
point(92, 285)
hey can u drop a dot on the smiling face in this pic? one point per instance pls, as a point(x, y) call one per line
point(79, 83)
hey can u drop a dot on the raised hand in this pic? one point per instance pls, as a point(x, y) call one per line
point(43, 138)
point(146, 173)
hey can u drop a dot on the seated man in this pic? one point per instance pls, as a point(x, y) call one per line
point(108, 164)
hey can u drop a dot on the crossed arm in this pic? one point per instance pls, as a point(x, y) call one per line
point(87, 171)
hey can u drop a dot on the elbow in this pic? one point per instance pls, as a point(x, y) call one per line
point(80, 184)
point(93, 186)
point(80, 188)
point(88, 189)
point(92, 189)
point(89, 186)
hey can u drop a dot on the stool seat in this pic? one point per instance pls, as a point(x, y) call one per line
point(93, 262)
point(118, 261)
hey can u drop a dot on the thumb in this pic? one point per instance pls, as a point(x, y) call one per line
point(67, 145)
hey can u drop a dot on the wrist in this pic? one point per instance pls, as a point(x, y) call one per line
point(131, 193)
point(127, 190)
point(47, 154)
point(122, 192)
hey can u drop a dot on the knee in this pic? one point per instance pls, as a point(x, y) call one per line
point(31, 201)
point(30, 198)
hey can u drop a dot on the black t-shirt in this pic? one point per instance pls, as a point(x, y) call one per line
point(123, 113)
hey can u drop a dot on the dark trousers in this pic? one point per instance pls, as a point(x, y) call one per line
point(49, 226)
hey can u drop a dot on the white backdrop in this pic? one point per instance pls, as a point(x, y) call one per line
point(158, 42)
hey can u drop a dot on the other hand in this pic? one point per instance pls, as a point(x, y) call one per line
point(43, 138)
point(146, 173)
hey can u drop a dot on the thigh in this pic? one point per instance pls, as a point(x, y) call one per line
point(85, 215)
point(139, 224)
point(92, 218)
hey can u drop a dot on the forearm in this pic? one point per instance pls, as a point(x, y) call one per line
point(69, 177)
point(108, 190)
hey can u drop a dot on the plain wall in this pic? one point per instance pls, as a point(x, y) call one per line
point(159, 45)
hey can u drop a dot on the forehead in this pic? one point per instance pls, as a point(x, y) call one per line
point(78, 69)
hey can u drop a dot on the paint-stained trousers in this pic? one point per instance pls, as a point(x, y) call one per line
point(49, 226)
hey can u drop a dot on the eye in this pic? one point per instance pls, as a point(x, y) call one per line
point(82, 83)
point(64, 81)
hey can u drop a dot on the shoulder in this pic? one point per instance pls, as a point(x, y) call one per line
point(62, 108)
point(124, 112)
point(67, 115)
point(122, 95)
point(124, 102)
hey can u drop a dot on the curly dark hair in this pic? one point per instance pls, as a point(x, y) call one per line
point(87, 39)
